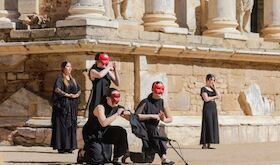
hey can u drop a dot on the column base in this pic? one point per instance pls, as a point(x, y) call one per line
point(271, 33)
point(7, 25)
point(171, 30)
point(87, 22)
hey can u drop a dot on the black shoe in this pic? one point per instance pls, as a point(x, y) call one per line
point(61, 151)
point(125, 156)
point(116, 161)
point(167, 162)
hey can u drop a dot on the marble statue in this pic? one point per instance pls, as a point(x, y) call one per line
point(119, 7)
point(244, 10)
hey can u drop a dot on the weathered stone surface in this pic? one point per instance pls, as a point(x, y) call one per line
point(28, 6)
point(253, 103)
point(23, 103)
point(43, 33)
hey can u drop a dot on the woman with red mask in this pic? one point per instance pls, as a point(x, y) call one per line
point(150, 111)
point(101, 74)
point(98, 132)
point(210, 126)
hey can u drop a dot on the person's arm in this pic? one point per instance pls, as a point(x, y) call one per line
point(115, 75)
point(143, 117)
point(165, 116)
point(99, 112)
point(58, 88)
point(207, 98)
point(95, 74)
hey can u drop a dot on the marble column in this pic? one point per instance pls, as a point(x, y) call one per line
point(8, 14)
point(221, 18)
point(160, 17)
point(271, 20)
point(87, 12)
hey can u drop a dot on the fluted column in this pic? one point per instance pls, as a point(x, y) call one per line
point(271, 20)
point(8, 14)
point(160, 17)
point(221, 18)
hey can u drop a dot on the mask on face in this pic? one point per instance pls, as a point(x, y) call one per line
point(104, 59)
point(158, 88)
point(115, 97)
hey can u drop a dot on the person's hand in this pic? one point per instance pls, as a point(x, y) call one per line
point(162, 116)
point(75, 95)
point(126, 114)
point(114, 65)
point(110, 66)
point(120, 111)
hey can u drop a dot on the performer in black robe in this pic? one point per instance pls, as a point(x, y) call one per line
point(65, 106)
point(101, 74)
point(210, 126)
point(98, 132)
point(150, 111)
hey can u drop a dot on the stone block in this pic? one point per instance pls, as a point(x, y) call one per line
point(227, 133)
point(43, 33)
point(129, 31)
point(253, 43)
point(273, 133)
point(184, 135)
point(194, 39)
point(55, 61)
point(212, 41)
point(71, 32)
point(49, 80)
point(78, 61)
point(22, 76)
point(229, 102)
point(269, 45)
point(171, 38)
point(28, 6)
point(234, 44)
point(149, 36)
point(36, 64)
point(20, 34)
point(179, 101)
point(11, 76)
point(175, 83)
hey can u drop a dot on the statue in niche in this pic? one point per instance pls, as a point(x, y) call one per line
point(244, 10)
point(119, 8)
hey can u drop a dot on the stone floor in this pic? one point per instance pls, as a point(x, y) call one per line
point(224, 154)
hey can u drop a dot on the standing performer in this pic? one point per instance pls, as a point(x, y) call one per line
point(210, 126)
point(101, 74)
point(98, 132)
point(150, 111)
point(65, 106)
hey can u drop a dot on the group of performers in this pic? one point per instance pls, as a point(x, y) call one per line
point(103, 108)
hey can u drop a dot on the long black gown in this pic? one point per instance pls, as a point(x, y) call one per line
point(64, 115)
point(152, 145)
point(210, 126)
point(99, 89)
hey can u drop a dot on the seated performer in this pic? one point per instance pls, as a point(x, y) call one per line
point(150, 111)
point(98, 133)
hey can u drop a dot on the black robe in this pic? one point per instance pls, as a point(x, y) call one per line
point(97, 152)
point(99, 89)
point(152, 145)
point(210, 126)
point(64, 115)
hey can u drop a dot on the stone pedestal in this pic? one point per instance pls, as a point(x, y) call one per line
point(222, 19)
point(271, 20)
point(8, 14)
point(87, 12)
point(160, 17)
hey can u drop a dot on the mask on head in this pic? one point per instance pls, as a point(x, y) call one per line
point(104, 59)
point(115, 97)
point(158, 88)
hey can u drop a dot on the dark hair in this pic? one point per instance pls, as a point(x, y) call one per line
point(209, 76)
point(110, 91)
point(156, 82)
point(97, 55)
point(63, 64)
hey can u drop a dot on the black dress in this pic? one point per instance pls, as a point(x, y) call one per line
point(210, 126)
point(152, 145)
point(99, 89)
point(98, 140)
point(64, 115)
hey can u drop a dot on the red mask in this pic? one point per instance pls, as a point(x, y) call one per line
point(104, 59)
point(158, 88)
point(115, 97)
